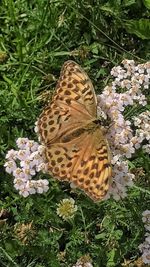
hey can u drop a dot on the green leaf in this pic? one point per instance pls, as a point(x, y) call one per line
point(100, 236)
point(112, 8)
point(146, 3)
point(128, 2)
point(111, 258)
point(118, 234)
point(141, 28)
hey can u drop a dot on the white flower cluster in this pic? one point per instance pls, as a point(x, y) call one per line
point(145, 247)
point(25, 163)
point(131, 80)
point(142, 122)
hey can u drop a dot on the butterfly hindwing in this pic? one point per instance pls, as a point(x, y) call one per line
point(87, 166)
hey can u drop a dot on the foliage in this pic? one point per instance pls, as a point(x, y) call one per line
point(36, 38)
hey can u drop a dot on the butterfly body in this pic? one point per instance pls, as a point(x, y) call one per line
point(76, 147)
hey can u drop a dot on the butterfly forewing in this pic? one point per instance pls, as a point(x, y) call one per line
point(73, 104)
point(76, 149)
point(76, 85)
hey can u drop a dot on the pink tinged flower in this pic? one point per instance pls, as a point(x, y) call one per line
point(40, 190)
point(32, 145)
point(128, 179)
point(28, 173)
point(140, 68)
point(137, 121)
point(19, 183)
point(146, 216)
point(125, 84)
point(115, 159)
point(41, 150)
point(117, 191)
point(32, 191)
point(11, 154)
point(146, 213)
point(127, 100)
point(146, 81)
point(24, 192)
point(10, 166)
point(142, 100)
point(31, 187)
point(128, 150)
point(128, 62)
point(36, 158)
point(26, 164)
point(121, 166)
point(23, 154)
point(147, 67)
point(146, 257)
point(45, 186)
point(146, 148)
point(145, 249)
point(42, 186)
point(42, 167)
point(21, 142)
point(118, 72)
point(141, 78)
point(18, 173)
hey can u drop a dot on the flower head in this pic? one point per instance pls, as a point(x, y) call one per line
point(66, 208)
point(24, 232)
point(84, 261)
point(145, 247)
point(24, 163)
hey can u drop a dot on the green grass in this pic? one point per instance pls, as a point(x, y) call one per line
point(36, 37)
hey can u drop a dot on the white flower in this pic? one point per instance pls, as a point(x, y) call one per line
point(10, 166)
point(146, 148)
point(19, 183)
point(42, 167)
point(32, 145)
point(23, 154)
point(11, 155)
point(128, 150)
point(146, 217)
point(41, 150)
point(146, 257)
point(145, 247)
point(42, 186)
point(36, 158)
point(19, 173)
point(21, 142)
point(24, 192)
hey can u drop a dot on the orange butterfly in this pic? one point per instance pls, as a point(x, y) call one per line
point(76, 147)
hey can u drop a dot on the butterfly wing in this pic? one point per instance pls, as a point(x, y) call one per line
point(73, 104)
point(76, 84)
point(84, 160)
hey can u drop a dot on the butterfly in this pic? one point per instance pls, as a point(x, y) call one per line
point(76, 148)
